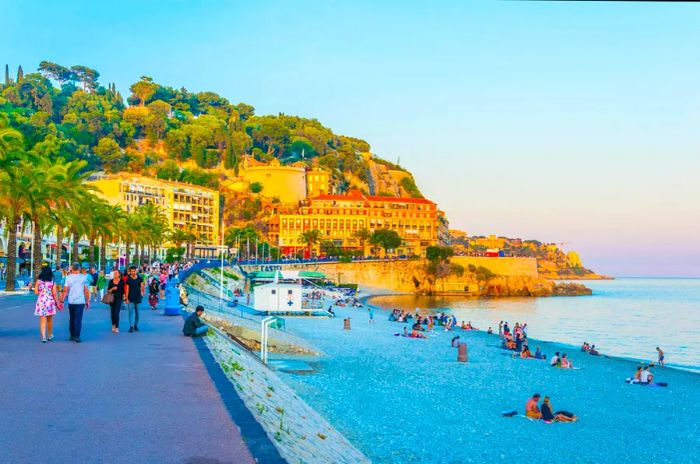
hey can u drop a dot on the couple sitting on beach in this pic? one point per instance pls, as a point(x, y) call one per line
point(526, 353)
point(586, 348)
point(533, 411)
point(468, 326)
point(415, 333)
point(400, 316)
point(561, 362)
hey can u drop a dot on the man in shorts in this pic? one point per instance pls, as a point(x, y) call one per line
point(661, 356)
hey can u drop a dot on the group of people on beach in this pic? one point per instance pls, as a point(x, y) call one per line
point(79, 287)
point(545, 412)
point(427, 323)
point(590, 349)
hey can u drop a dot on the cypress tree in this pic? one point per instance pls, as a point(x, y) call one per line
point(20, 74)
point(7, 74)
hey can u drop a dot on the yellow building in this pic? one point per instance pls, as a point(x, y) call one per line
point(288, 183)
point(186, 206)
point(490, 242)
point(317, 182)
point(339, 217)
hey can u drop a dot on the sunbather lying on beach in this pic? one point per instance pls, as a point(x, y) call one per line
point(559, 416)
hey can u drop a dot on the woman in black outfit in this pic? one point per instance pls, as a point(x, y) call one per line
point(115, 286)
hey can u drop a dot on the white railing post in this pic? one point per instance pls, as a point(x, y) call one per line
point(264, 331)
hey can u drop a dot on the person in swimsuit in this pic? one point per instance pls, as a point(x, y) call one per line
point(661, 356)
point(531, 409)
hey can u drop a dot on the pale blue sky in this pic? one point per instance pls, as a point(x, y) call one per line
point(566, 122)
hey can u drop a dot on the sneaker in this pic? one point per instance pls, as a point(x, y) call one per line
point(77, 340)
point(50, 338)
point(131, 329)
point(72, 338)
point(116, 331)
point(43, 340)
point(136, 329)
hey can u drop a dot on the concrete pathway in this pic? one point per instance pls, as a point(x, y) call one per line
point(142, 397)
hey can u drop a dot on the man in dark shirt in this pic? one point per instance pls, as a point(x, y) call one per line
point(194, 327)
point(134, 290)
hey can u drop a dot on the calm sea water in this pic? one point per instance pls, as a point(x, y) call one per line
point(624, 317)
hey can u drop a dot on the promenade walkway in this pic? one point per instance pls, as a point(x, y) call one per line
point(141, 397)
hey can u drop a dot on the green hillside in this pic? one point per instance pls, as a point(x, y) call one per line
point(66, 112)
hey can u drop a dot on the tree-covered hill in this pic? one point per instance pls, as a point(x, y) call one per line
point(66, 112)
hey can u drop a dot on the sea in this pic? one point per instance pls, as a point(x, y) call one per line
point(625, 317)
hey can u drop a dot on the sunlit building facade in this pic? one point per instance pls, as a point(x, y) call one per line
point(187, 207)
point(339, 217)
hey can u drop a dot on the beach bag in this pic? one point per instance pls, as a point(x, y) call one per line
point(108, 298)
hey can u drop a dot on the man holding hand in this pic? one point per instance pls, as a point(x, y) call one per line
point(78, 294)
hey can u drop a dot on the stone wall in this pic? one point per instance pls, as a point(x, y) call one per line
point(502, 266)
point(300, 433)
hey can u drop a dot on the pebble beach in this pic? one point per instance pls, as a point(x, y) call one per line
point(408, 400)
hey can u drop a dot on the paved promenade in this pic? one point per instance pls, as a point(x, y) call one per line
point(128, 397)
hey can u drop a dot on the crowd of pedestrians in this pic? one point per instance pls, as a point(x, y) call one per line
point(78, 287)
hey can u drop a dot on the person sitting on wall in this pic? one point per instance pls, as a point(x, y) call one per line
point(194, 327)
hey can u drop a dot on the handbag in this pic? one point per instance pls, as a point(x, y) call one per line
point(108, 298)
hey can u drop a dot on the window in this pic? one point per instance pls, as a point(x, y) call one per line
point(290, 292)
point(273, 292)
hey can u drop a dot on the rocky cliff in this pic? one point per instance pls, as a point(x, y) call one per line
point(412, 277)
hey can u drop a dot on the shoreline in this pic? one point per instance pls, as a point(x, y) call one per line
point(365, 300)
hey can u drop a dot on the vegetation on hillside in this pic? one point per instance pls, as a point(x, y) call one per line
point(46, 196)
point(66, 112)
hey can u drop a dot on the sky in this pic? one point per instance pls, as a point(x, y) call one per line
point(567, 122)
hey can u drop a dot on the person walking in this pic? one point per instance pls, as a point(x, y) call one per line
point(76, 289)
point(47, 304)
point(115, 286)
point(58, 277)
point(101, 285)
point(661, 356)
point(93, 283)
point(153, 290)
point(133, 295)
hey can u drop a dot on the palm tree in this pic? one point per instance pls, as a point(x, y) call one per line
point(154, 225)
point(178, 237)
point(363, 236)
point(240, 236)
point(310, 238)
point(67, 191)
point(12, 200)
point(132, 228)
point(113, 219)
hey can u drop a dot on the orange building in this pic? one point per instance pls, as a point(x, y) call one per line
point(339, 217)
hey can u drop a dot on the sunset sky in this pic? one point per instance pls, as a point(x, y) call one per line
point(570, 122)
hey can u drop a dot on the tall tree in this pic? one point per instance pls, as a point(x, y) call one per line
point(386, 238)
point(143, 89)
point(7, 75)
point(20, 74)
point(310, 238)
point(13, 183)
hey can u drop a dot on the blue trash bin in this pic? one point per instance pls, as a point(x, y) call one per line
point(172, 297)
